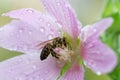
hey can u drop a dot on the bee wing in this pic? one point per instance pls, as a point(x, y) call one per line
point(42, 44)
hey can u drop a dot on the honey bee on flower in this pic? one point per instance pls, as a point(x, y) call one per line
point(67, 42)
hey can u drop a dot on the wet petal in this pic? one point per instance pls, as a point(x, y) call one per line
point(23, 35)
point(90, 32)
point(31, 16)
point(29, 67)
point(99, 57)
point(64, 14)
point(76, 72)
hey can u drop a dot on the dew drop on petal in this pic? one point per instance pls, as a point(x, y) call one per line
point(91, 62)
point(98, 52)
point(20, 30)
point(11, 49)
point(98, 73)
point(30, 10)
point(85, 63)
point(50, 36)
point(42, 29)
point(90, 45)
point(48, 24)
point(59, 32)
point(30, 32)
point(34, 67)
point(40, 19)
point(1, 29)
point(94, 30)
point(58, 3)
point(59, 24)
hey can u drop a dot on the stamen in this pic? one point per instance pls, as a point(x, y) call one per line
point(65, 55)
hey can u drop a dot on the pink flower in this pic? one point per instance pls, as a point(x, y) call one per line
point(31, 27)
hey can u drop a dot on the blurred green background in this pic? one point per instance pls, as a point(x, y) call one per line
point(88, 11)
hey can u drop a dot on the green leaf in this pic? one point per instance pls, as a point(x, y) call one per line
point(112, 9)
point(89, 75)
point(64, 70)
point(113, 40)
point(6, 54)
point(116, 24)
point(112, 35)
point(112, 6)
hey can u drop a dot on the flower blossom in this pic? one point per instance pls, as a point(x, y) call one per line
point(31, 27)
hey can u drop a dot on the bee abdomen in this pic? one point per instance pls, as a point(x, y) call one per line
point(44, 55)
point(45, 52)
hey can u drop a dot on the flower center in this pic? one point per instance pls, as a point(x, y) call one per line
point(68, 55)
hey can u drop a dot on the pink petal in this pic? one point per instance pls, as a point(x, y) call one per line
point(90, 32)
point(98, 57)
point(64, 15)
point(76, 72)
point(23, 35)
point(29, 67)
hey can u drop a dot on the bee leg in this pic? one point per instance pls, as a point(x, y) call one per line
point(54, 54)
point(64, 42)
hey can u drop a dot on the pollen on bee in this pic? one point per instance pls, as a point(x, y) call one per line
point(65, 55)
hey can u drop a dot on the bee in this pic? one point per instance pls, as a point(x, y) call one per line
point(50, 45)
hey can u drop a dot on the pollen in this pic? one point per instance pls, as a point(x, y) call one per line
point(65, 56)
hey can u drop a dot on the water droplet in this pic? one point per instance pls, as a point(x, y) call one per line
point(59, 24)
point(42, 29)
point(98, 52)
point(48, 24)
point(20, 30)
point(85, 63)
point(40, 19)
point(12, 49)
point(58, 3)
point(30, 10)
point(98, 73)
point(34, 67)
point(1, 29)
point(30, 32)
point(59, 32)
point(50, 36)
point(94, 30)
point(90, 45)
